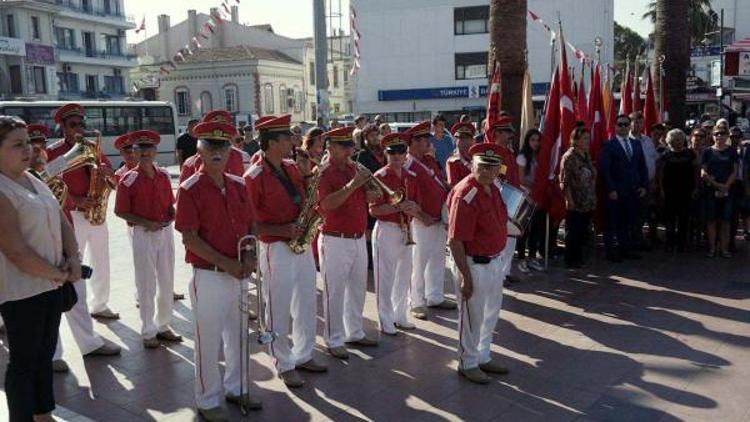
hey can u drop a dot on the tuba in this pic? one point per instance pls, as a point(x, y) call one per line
point(83, 154)
point(308, 217)
point(100, 187)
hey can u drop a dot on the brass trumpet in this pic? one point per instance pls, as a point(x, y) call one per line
point(393, 197)
point(249, 245)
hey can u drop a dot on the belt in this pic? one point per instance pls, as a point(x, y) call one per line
point(343, 235)
point(208, 268)
point(479, 259)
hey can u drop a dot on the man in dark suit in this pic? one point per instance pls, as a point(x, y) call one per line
point(622, 167)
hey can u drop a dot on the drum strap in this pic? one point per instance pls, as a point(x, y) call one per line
point(286, 182)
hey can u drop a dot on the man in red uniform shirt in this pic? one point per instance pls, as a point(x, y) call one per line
point(391, 252)
point(477, 236)
point(235, 163)
point(342, 245)
point(213, 214)
point(38, 135)
point(124, 145)
point(93, 238)
point(428, 267)
point(145, 201)
point(458, 165)
point(277, 192)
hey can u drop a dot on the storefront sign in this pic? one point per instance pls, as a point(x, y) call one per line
point(744, 65)
point(40, 54)
point(474, 91)
point(12, 46)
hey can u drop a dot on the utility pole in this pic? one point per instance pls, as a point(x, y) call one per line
point(321, 61)
point(720, 91)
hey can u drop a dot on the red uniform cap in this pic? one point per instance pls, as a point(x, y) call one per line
point(420, 129)
point(504, 123)
point(393, 138)
point(38, 132)
point(460, 128)
point(276, 124)
point(486, 153)
point(215, 131)
point(220, 116)
point(123, 141)
point(68, 110)
point(145, 137)
point(263, 119)
point(342, 135)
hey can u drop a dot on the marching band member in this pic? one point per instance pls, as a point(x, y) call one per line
point(477, 233)
point(38, 135)
point(391, 252)
point(94, 238)
point(342, 245)
point(213, 213)
point(145, 201)
point(277, 191)
point(458, 165)
point(428, 267)
point(124, 145)
point(235, 163)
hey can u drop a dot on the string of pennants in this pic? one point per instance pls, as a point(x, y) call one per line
point(207, 30)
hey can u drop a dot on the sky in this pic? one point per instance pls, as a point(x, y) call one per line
point(293, 18)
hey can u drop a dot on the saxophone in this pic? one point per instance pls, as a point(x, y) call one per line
point(100, 187)
point(308, 217)
point(81, 155)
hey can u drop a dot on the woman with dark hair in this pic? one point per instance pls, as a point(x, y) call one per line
point(578, 183)
point(533, 237)
point(310, 153)
point(38, 253)
point(719, 170)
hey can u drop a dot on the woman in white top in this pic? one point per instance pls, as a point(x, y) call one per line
point(533, 237)
point(38, 253)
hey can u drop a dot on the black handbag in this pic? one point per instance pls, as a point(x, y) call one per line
point(68, 294)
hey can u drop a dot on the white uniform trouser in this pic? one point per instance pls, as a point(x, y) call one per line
point(495, 303)
point(343, 264)
point(153, 259)
point(478, 316)
point(216, 309)
point(428, 270)
point(392, 272)
point(95, 240)
point(81, 325)
point(289, 294)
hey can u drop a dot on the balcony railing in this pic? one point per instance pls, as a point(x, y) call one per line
point(90, 9)
point(102, 54)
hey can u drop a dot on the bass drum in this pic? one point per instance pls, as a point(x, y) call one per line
point(519, 206)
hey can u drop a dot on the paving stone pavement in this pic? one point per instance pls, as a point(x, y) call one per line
point(661, 339)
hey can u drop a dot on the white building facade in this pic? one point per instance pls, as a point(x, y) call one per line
point(64, 49)
point(426, 56)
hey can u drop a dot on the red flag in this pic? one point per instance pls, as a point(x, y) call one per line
point(493, 102)
point(142, 26)
point(626, 93)
point(582, 109)
point(664, 100)
point(210, 26)
point(567, 114)
point(637, 94)
point(650, 113)
point(596, 116)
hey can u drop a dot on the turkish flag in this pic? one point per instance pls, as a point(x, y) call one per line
point(650, 113)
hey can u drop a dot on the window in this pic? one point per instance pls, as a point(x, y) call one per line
point(346, 73)
point(16, 85)
point(283, 99)
point(471, 65)
point(40, 80)
point(68, 82)
point(299, 99)
point(207, 103)
point(10, 27)
point(156, 118)
point(114, 85)
point(113, 45)
point(119, 120)
point(312, 73)
point(268, 98)
point(349, 107)
point(35, 30)
point(336, 108)
point(92, 85)
point(230, 97)
point(335, 76)
point(182, 99)
point(65, 38)
point(471, 20)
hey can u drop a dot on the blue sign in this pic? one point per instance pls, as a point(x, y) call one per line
point(447, 92)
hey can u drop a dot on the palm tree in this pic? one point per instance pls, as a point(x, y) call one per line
point(702, 18)
point(672, 39)
point(508, 40)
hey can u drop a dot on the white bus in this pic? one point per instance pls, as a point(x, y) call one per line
point(111, 118)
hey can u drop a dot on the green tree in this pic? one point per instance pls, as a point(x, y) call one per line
point(702, 18)
point(627, 43)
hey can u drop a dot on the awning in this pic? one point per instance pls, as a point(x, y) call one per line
point(741, 45)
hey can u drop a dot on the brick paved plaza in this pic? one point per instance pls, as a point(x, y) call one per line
point(661, 339)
